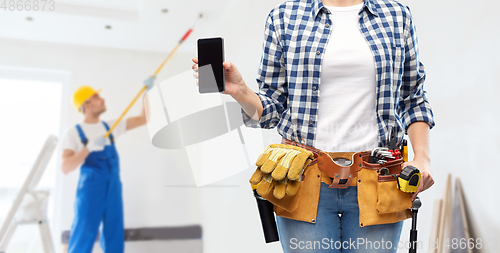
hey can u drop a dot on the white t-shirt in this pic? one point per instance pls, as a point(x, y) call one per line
point(72, 140)
point(346, 116)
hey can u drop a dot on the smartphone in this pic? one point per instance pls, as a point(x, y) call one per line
point(210, 69)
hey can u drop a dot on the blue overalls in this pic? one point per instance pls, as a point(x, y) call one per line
point(98, 198)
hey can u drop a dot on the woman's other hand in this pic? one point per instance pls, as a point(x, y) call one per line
point(426, 181)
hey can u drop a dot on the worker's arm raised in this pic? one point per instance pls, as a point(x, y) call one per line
point(71, 161)
point(140, 120)
point(137, 121)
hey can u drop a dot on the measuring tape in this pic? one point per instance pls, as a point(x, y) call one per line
point(409, 179)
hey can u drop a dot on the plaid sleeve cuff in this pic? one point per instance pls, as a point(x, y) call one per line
point(269, 118)
point(421, 112)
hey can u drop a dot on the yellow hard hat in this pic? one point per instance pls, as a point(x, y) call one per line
point(82, 94)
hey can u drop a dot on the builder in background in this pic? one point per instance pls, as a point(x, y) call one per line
point(99, 192)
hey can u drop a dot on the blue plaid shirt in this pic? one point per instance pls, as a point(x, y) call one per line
point(295, 38)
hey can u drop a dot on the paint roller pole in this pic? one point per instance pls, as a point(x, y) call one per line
point(156, 72)
point(125, 112)
point(178, 45)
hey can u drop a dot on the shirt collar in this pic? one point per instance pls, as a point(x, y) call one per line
point(317, 5)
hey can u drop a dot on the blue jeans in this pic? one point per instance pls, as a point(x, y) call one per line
point(336, 228)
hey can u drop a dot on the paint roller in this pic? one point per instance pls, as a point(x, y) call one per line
point(186, 35)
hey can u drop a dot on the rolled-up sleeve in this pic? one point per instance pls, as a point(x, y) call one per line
point(271, 78)
point(413, 105)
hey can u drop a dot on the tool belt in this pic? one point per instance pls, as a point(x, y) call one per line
point(337, 176)
point(379, 199)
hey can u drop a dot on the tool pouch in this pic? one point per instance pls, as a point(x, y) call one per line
point(379, 199)
point(290, 201)
point(389, 198)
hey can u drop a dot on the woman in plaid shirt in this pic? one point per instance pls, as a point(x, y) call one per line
point(363, 57)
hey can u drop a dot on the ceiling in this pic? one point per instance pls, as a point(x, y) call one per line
point(132, 24)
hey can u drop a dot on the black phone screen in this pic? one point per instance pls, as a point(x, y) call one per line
point(210, 69)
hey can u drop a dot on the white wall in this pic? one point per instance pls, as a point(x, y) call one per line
point(458, 47)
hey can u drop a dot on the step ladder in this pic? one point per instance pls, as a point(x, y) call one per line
point(30, 206)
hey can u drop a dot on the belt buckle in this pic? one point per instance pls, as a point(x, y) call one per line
point(341, 175)
point(337, 182)
point(340, 183)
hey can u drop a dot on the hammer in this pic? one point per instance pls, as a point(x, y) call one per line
point(413, 231)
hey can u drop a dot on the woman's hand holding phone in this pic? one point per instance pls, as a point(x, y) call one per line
point(237, 88)
point(234, 84)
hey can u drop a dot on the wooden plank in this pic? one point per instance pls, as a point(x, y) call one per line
point(459, 225)
point(445, 217)
point(436, 220)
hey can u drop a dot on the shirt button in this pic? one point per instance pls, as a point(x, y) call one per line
point(314, 87)
point(310, 122)
point(327, 25)
point(318, 52)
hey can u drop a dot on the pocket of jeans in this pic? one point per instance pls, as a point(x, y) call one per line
point(389, 198)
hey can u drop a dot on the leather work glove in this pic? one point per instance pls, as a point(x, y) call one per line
point(96, 144)
point(280, 167)
point(149, 82)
